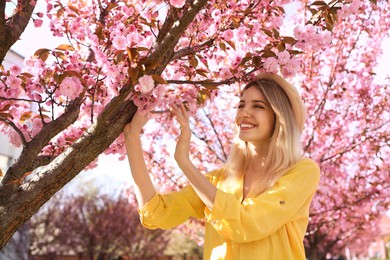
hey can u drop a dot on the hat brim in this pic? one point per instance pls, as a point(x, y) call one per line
point(298, 107)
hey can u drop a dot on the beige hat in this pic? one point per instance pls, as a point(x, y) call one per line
point(298, 107)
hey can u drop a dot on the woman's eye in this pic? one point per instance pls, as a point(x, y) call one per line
point(259, 107)
point(240, 106)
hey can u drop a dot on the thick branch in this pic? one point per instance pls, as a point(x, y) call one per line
point(164, 51)
point(13, 27)
point(168, 23)
point(2, 14)
point(192, 50)
point(25, 162)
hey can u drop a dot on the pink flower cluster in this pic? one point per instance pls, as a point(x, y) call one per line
point(177, 3)
point(349, 9)
point(312, 38)
point(70, 87)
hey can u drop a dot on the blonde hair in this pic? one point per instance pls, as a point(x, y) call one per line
point(284, 148)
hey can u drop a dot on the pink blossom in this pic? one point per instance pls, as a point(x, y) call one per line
point(134, 38)
point(129, 11)
point(36, 126)
point(146, 84)
point(228, 35)
point(38, 22)
point(14, 138)
point(326, 37)
point(15, 70)
point(177, 3)
point(119, 42)
point(225, 73)
point(283, 57)
point(49, 7)
point(13, 82)
point(291, 67)
point(70, 87)
point(271, 65)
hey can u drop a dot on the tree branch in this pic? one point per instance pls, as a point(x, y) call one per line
point(192, 50)
point(25, 162)
point(20, 133)
point(167, 25)
point(204, 82)
point(2, 15)
point(216, 134)
point(11, 29)
point(163, 53)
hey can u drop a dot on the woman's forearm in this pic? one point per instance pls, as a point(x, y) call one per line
point(202, 186)
point(144, 189)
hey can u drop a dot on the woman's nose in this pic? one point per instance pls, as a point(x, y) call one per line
point(245, 112)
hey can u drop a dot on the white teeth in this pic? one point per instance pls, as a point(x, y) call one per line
point(246, 125)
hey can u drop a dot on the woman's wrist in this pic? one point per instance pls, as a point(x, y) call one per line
point(132, 134)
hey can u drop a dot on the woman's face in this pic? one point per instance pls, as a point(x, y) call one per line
point(255, 118)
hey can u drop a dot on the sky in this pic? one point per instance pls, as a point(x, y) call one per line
point(111, 173)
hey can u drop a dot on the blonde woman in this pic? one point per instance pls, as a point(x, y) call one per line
point(257, 205)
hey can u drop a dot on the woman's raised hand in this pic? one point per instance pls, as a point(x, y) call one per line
point(136, 124)
point(183, 143)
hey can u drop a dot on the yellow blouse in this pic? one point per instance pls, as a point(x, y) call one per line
point(270, 226)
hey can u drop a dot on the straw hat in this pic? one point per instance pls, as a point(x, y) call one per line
point(295, 99)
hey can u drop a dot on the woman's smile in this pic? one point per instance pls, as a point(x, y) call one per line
point(254, 110)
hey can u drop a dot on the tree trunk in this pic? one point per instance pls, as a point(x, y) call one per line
point(19, 202)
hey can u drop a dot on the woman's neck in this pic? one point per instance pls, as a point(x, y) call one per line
point(257, 157)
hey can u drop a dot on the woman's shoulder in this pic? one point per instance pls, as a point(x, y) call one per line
point(215, 175)
point(305, 166)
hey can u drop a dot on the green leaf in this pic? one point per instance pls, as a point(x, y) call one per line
point(73, 8)
point(268, 53)
point(289, 40)
point(232, 44)
point(132, 53)
point(319, 3)
point(25, 116)
point(222, 46)
point(65, 47)
point(208, 84)
point(202, 72)
point(256, 61)
point(276, 33)
point(133, 74)
point(193, 61)
point(5, 115)
point(267, 32)
point(158, 79)
point(72, 73)
point(42, 54)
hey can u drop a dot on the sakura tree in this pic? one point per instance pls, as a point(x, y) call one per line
point(348, 133)
point(70, 104)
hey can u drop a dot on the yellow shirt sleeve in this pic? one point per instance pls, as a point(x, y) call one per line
point(166, 211)
point(257, 218)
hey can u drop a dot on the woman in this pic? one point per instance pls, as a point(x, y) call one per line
point(257, 205)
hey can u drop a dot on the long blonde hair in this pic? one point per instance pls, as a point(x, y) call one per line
point(285, 147)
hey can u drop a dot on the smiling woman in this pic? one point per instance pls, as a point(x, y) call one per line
point(257, 205)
